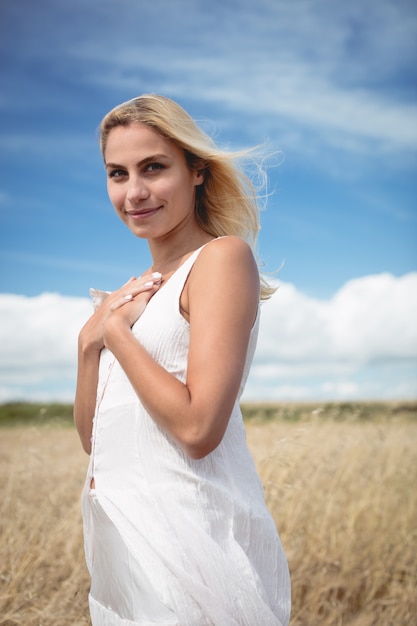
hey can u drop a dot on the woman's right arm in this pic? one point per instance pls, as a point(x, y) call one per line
point(135, 295)
point(86, 391)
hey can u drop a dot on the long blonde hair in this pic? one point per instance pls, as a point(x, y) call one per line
point(226, 203)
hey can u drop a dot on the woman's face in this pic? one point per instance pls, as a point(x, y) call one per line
point(148, 181)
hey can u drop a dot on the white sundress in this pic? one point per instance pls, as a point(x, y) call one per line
point(171, 540)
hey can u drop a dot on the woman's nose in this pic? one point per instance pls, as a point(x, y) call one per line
point(137, 190)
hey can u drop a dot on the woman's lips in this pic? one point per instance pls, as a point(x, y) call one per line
point(141, 214)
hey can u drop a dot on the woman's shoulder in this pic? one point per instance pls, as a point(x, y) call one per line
point(224, 283)
point(227, 248)
point(226, 258)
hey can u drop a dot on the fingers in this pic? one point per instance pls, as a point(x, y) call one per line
point(144, 283)
point(155, 276)
point(130, 290)
point(120, 302)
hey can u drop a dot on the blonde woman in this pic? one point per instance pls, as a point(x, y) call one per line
point(176, 528)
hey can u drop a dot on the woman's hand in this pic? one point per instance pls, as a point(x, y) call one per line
point(123, 306)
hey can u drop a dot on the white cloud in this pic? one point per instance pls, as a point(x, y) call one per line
point(361, 343)
point(369, 318)
point(38, 337)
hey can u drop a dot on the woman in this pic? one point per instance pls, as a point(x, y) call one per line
point(176, 528)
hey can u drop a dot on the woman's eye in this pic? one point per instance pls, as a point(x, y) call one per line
point(117, 173)
point(154, 167)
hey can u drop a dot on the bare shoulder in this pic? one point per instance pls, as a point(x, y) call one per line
point(224, 271)
point(226, 252)
point(225, 266)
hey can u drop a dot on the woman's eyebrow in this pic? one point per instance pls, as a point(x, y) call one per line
point(148, 159)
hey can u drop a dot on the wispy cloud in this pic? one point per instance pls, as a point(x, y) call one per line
point(304, 64)
point(29, 145)
point(57, 262)
point(295, 70)
point(330, 84)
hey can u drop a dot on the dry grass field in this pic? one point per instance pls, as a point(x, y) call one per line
point(342, 491)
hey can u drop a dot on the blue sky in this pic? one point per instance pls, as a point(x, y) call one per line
point(327, 85)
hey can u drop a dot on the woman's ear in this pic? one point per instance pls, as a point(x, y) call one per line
point(199, 177)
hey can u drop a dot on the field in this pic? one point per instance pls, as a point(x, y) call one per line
point(340, 481)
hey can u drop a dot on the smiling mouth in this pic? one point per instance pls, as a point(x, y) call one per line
point(140, 214)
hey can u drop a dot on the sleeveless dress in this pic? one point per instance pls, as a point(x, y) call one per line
point(171, 540)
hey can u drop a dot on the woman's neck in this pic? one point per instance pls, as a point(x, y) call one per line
point(168, 256)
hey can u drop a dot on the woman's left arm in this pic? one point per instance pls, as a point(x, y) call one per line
point(222, 297)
